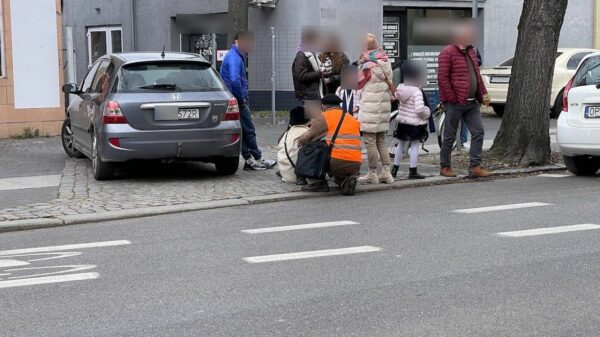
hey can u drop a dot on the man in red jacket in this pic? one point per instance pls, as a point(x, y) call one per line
point(462, 91)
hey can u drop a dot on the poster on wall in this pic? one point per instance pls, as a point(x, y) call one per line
point(428, 55)
point(391, 40)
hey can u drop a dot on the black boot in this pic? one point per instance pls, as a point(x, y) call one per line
point(301, 181)
point(414, 174)
point(395, 170)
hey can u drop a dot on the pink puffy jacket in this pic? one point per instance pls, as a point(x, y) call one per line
point(412, 109)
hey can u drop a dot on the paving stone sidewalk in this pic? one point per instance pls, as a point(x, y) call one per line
point(146, 185)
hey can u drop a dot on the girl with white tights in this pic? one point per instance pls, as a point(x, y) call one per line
point(413, 116)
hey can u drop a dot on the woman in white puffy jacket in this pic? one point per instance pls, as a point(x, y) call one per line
point(413, 118)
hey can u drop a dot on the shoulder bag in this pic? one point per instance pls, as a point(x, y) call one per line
point(313, 158)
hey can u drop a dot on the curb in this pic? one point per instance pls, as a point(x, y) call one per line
point(65, 220)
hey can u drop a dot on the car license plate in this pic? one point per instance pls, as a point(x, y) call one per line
point(500, 79)
point(592, 111)
point(188, 114)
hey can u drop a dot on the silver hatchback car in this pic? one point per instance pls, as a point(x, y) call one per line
point(152, 106)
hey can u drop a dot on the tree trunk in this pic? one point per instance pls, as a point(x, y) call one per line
point(238, 12)
point(524, 133)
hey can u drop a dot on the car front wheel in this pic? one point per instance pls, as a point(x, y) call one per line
point(583, 165)
point(227, 166)
point(102, 170)
point(68, 142)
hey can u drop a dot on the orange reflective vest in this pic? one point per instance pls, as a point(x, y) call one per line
point(348, 144)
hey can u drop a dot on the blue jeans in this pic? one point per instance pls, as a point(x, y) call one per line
point(249, 146)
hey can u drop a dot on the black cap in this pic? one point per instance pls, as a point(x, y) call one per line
point(331, 99)
point(297, 116)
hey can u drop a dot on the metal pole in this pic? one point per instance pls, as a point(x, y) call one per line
point(213, 57)
point(273, 72)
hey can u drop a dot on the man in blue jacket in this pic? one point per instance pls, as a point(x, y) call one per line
point(233, 72)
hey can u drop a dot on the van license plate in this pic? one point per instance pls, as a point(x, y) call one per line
point(188, 114)
point(592, 112)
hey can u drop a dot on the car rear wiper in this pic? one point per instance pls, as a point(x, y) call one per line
point(160, 87)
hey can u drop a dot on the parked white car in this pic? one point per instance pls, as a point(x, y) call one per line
point(497, 78)
point(578, 128)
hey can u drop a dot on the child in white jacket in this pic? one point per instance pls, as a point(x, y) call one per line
point(413, 117)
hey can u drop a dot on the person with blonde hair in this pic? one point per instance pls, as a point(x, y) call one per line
point(377, 92)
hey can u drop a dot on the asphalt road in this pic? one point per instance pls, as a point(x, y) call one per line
point(410, 265)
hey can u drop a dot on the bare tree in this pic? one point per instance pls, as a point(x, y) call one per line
point(238, 12)
point(524, 133)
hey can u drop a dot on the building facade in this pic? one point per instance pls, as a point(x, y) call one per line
point(31, 102)
point(94, 27)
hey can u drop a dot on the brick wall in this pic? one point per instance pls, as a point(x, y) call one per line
point(14, 121)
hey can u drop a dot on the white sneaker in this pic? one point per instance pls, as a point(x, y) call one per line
point(267, 163)
point(467, 145)
point(253, 165)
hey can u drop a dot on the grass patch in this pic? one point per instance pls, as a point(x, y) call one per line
point(269, 114)
point(28, 132)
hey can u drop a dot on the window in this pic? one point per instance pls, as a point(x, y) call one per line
point(589, 73)
point(102, 41)
point(87, 81)
point(183, 76)
point(576, 59)
point(509, 62)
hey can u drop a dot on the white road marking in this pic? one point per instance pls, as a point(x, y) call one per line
point(549, 230)
point(550, 175)
point(48, 279)
point(500, 207)
point(65, 247)
point(298, 227)
point(20, 183)
point(12, 263)
point(311, 254)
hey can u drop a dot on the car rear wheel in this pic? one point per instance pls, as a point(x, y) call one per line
point(498, 109)
point(582, 166)
point(102, 170)
point(66, 135)
point(227, 166)
point(558, 106)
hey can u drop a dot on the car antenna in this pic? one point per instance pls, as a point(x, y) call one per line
point(163, 52)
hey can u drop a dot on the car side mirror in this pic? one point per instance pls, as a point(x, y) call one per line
point(70, 88)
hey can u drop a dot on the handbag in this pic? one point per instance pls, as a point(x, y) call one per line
point(287, 153)
point(313, 158)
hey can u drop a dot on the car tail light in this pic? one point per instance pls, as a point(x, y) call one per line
point(112, 114)
point(233, 111)
point(115, 142)
point(565, 98)
point(234, 138)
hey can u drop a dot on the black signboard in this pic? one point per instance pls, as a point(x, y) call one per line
point(391, 48)
point(391, 31)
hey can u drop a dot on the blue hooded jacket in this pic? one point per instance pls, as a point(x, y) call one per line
point(233, 72)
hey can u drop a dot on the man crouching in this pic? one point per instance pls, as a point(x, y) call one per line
point(346, 155)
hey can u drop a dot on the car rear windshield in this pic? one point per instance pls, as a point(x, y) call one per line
point(588, 73)
point(168, 76)
point(509, 62)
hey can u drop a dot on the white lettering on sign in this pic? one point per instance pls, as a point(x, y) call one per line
point(221, 55)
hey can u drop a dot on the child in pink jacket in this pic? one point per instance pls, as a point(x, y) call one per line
point(413, 118)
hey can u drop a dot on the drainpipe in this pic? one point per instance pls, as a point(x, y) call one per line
point(133, 24)
point(596, 27)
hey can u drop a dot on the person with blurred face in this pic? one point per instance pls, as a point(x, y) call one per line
point(333, 55)
point(347, 91)
point(375, 72)
point(233, 72)
point(462, 91)
point(308, 74)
